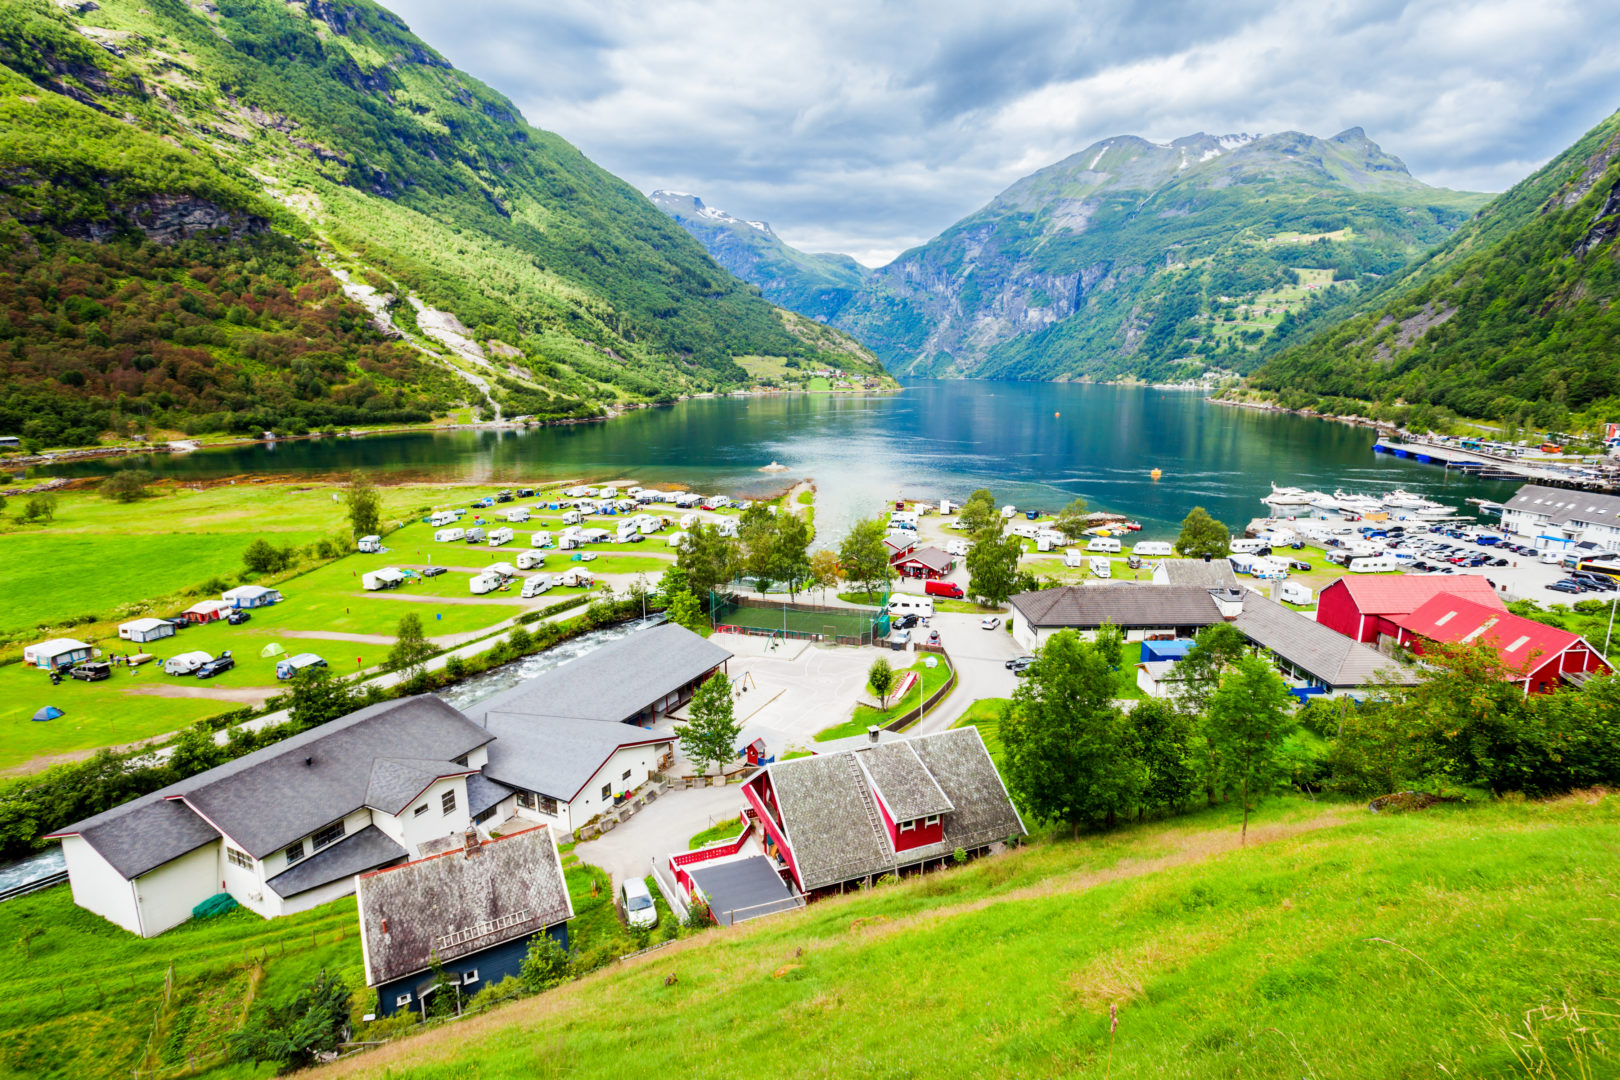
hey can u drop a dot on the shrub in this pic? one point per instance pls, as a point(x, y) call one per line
point(455, 667)
point(546, 965)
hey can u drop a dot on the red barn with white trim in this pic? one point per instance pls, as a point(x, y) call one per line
point(1540, 656)
point(1362, 607)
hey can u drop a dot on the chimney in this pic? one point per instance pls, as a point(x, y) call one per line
point(873, 732)
point(469, 841)
point(308, 762)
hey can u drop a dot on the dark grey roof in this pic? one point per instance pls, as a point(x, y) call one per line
point(269, 798)
point(832, 822)
point(365, 850)
point(931, 557)
point(1562, 507)
point(744, 889)
point(396, 781)
point(484, 793)
point(1125, 604)
point(902, 781)
point(1337, 660)
point(556, 756)
point(1217, 573)
point(612, 683)
point(455, 904)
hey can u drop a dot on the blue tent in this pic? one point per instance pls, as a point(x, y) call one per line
point(49, 712)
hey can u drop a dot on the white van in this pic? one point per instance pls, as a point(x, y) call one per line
point(528, 560)
point(1101, 567)
point(1377, 564)
point(443, 517)
point(905, 604)
point(1243, 545)
point(1153, 549)
point(536, 586)
point(1109, 544)
point(1073, 559)
point(186, 663)
point(450, 536)
point(500, 536)
point(517, 514)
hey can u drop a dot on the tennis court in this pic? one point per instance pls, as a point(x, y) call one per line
point(844, 625)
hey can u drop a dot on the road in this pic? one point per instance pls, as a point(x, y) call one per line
point(980, 656)
point(665, 826)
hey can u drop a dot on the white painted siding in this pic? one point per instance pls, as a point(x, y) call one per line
point(97, 886)
point(167, 895)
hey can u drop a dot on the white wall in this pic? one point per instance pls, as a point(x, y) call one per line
point(97, 886)
point(316, 897)
point(275, 862)
point(167, 895)
point(411, 830)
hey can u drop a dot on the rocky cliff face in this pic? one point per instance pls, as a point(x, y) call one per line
point(169, 219)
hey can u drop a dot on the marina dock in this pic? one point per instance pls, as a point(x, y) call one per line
point(1490, 466)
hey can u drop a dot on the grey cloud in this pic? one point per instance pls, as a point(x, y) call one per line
point(867, 127)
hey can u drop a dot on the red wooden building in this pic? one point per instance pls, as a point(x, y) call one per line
point(929, 564)
point(1540, 656)
point(1362, 608)
point(899, 546)
point(884, 808)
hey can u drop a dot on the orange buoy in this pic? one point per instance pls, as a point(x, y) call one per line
point(1155, 474)
point(1056, 415)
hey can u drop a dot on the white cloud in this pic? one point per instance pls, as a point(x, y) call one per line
point(867, 128)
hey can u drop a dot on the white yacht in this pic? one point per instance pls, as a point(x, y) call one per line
point(1287, 496)
point(1357, 504)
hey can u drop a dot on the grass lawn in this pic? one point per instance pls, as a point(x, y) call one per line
point(865, 716)
point(819, 384)
point(1472, 922)
point(725, 830)
point(985, 714)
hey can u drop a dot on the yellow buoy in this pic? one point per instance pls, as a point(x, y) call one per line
point(1155, 474)
point(1056, 415)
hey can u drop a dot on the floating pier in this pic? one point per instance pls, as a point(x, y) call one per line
point(1489, 466)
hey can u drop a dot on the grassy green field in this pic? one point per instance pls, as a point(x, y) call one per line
point(724, 830)
point(1338, 943)
point(985, 714)
point(865, 716)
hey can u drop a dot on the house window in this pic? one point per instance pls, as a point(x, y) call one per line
point(548, 805)
point(469, 977)
point(626, 775)
point(238, 858)
point(329, 835)
point(295, 852)
point(607, 792)
point(402, 1000)
point(525, 799)
point(907, 826)
point(462, 761)
point(931, 820)
point(419, 811)
point(448, 802)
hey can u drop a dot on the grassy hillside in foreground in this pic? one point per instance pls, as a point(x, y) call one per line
point(1338, 944)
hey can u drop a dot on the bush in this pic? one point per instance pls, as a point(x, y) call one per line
point(262, 557)
point(127, 485)
point(546, 965)
point(455, 667)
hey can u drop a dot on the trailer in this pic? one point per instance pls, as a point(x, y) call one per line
point(450, 536)
point(370, 545)
point(443, 517)
point(485, 582)
point(517, 514)
point(1153, 549)
point(1108, 544)
point(1101, 567)
point(386, 577)
point(528, 560)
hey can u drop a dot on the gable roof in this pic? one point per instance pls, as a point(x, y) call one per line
point(1337, 660)
point(832, 821)
point(1124, 604)
point(1562, 506)
point(395, 781)
point(456, 904)
point(269, 798)
point(365, 850)
point(1217, 573)
point(613, 683)
point(931, 557)
point(1520, 643)
point(1405, 592)
point(557, 755)
point(903, 782)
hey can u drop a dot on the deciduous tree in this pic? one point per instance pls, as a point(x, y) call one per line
point(864, 556)
point(992, 564)
point(292, 1035)
point(1072, 520)
point(710, 736)
point(365, 505)
point(881, 678)
point(684, 610)
point(979, 512)
point(1249, 717)
point(411, 649)
point(825, 571)
point(1202, 535)
point(708, 559)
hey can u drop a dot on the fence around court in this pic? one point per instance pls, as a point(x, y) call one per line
point(733, 614)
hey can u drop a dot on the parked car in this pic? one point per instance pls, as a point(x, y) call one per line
point(639, 909)
point(933, 637)
point(587, 556)
point(1018, 662)
point(91, 671)
point(989, 622)
point(1564, 587)
point(238, 616)
point(906, 622)
point(1300, 565)
point(217, 666)
point(634, 538)
point(433, 571)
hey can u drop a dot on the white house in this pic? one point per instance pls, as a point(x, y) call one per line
point(563, 771)
point(1556, 519)
point(144, 630)
point(287, 827)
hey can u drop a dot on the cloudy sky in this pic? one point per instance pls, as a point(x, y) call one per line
point(867, 127)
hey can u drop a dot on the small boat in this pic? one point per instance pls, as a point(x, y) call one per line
point(1133, 526)
point(1156, 473)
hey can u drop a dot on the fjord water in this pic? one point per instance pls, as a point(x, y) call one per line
point(1035, 445)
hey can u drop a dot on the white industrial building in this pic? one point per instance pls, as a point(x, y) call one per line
point(1557, 518)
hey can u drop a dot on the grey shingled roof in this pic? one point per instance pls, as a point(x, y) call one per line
point(1325, 653)
point(1563, 506)
point(556, 756)
point(365, 850)
point(396, 781)
point(484, 793)
point(902, 781)
point(931, 557)
point(1217, 573)
point(612, 683)
point(269, 798)
point(1125, 604)
point(832, 823)
point(452, 905)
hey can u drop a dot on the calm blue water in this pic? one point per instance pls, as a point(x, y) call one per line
point(1035, 445)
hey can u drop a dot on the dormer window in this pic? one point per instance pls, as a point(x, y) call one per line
point(931, 821)
point(907, 826)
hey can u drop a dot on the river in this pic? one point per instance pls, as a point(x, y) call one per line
point(1033, 444)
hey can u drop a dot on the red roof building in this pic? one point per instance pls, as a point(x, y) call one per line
point(1362, 607)
point(928, 563)
point(898, 547)
point(1538, 655)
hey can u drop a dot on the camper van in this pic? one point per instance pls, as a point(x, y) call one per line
point(1109, 544)
point(443, 517)
point(1243, 545)
point(450, 536)
point(572, 517)
point(485, 582)
point(528, 560)
point(1101, 567)
point(625, 531)
point(288, 666)
point(517, 514)
point(475, 535)
point(540, 539)
point(1153, 549)
point(536, 586)
point(1073, 559)
point(577, 578)
point(370, 545)
point(905, 604)
point(1373, 564)
point(500, 536)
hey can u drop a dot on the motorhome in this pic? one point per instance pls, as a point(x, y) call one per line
point(1109, 544)
point(540, 539)
point(1009, 511)
point(475, 535)
point(288, 666)
point(370, 545)
point(500, 536)
point(450, 536)
point(1244, 545)
point(1374, 564)
point(1101, 567)
point(1055, 538)
point(485, 582)
point(578, 492)
point(536, 586)
point(528, 560)
point(1073, 559)
point(716, 502)
point(688, 520)
point(948, 507)
point(1153, 549)
point(442, 517)
point(572, 517)
point(517, 514)
point(907, 604)
point(626, 530)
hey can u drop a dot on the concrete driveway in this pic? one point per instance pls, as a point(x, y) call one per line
point(799, 690)
point(665, 826)
point(981, 656)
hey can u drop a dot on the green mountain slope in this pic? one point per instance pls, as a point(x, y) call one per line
point(1155, 260)
point(1513, 319)
point(526, 275)
point(817, 285)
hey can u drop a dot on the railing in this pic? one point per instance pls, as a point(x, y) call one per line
point(33, 886)
point(672, 895)
point(733, 916)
